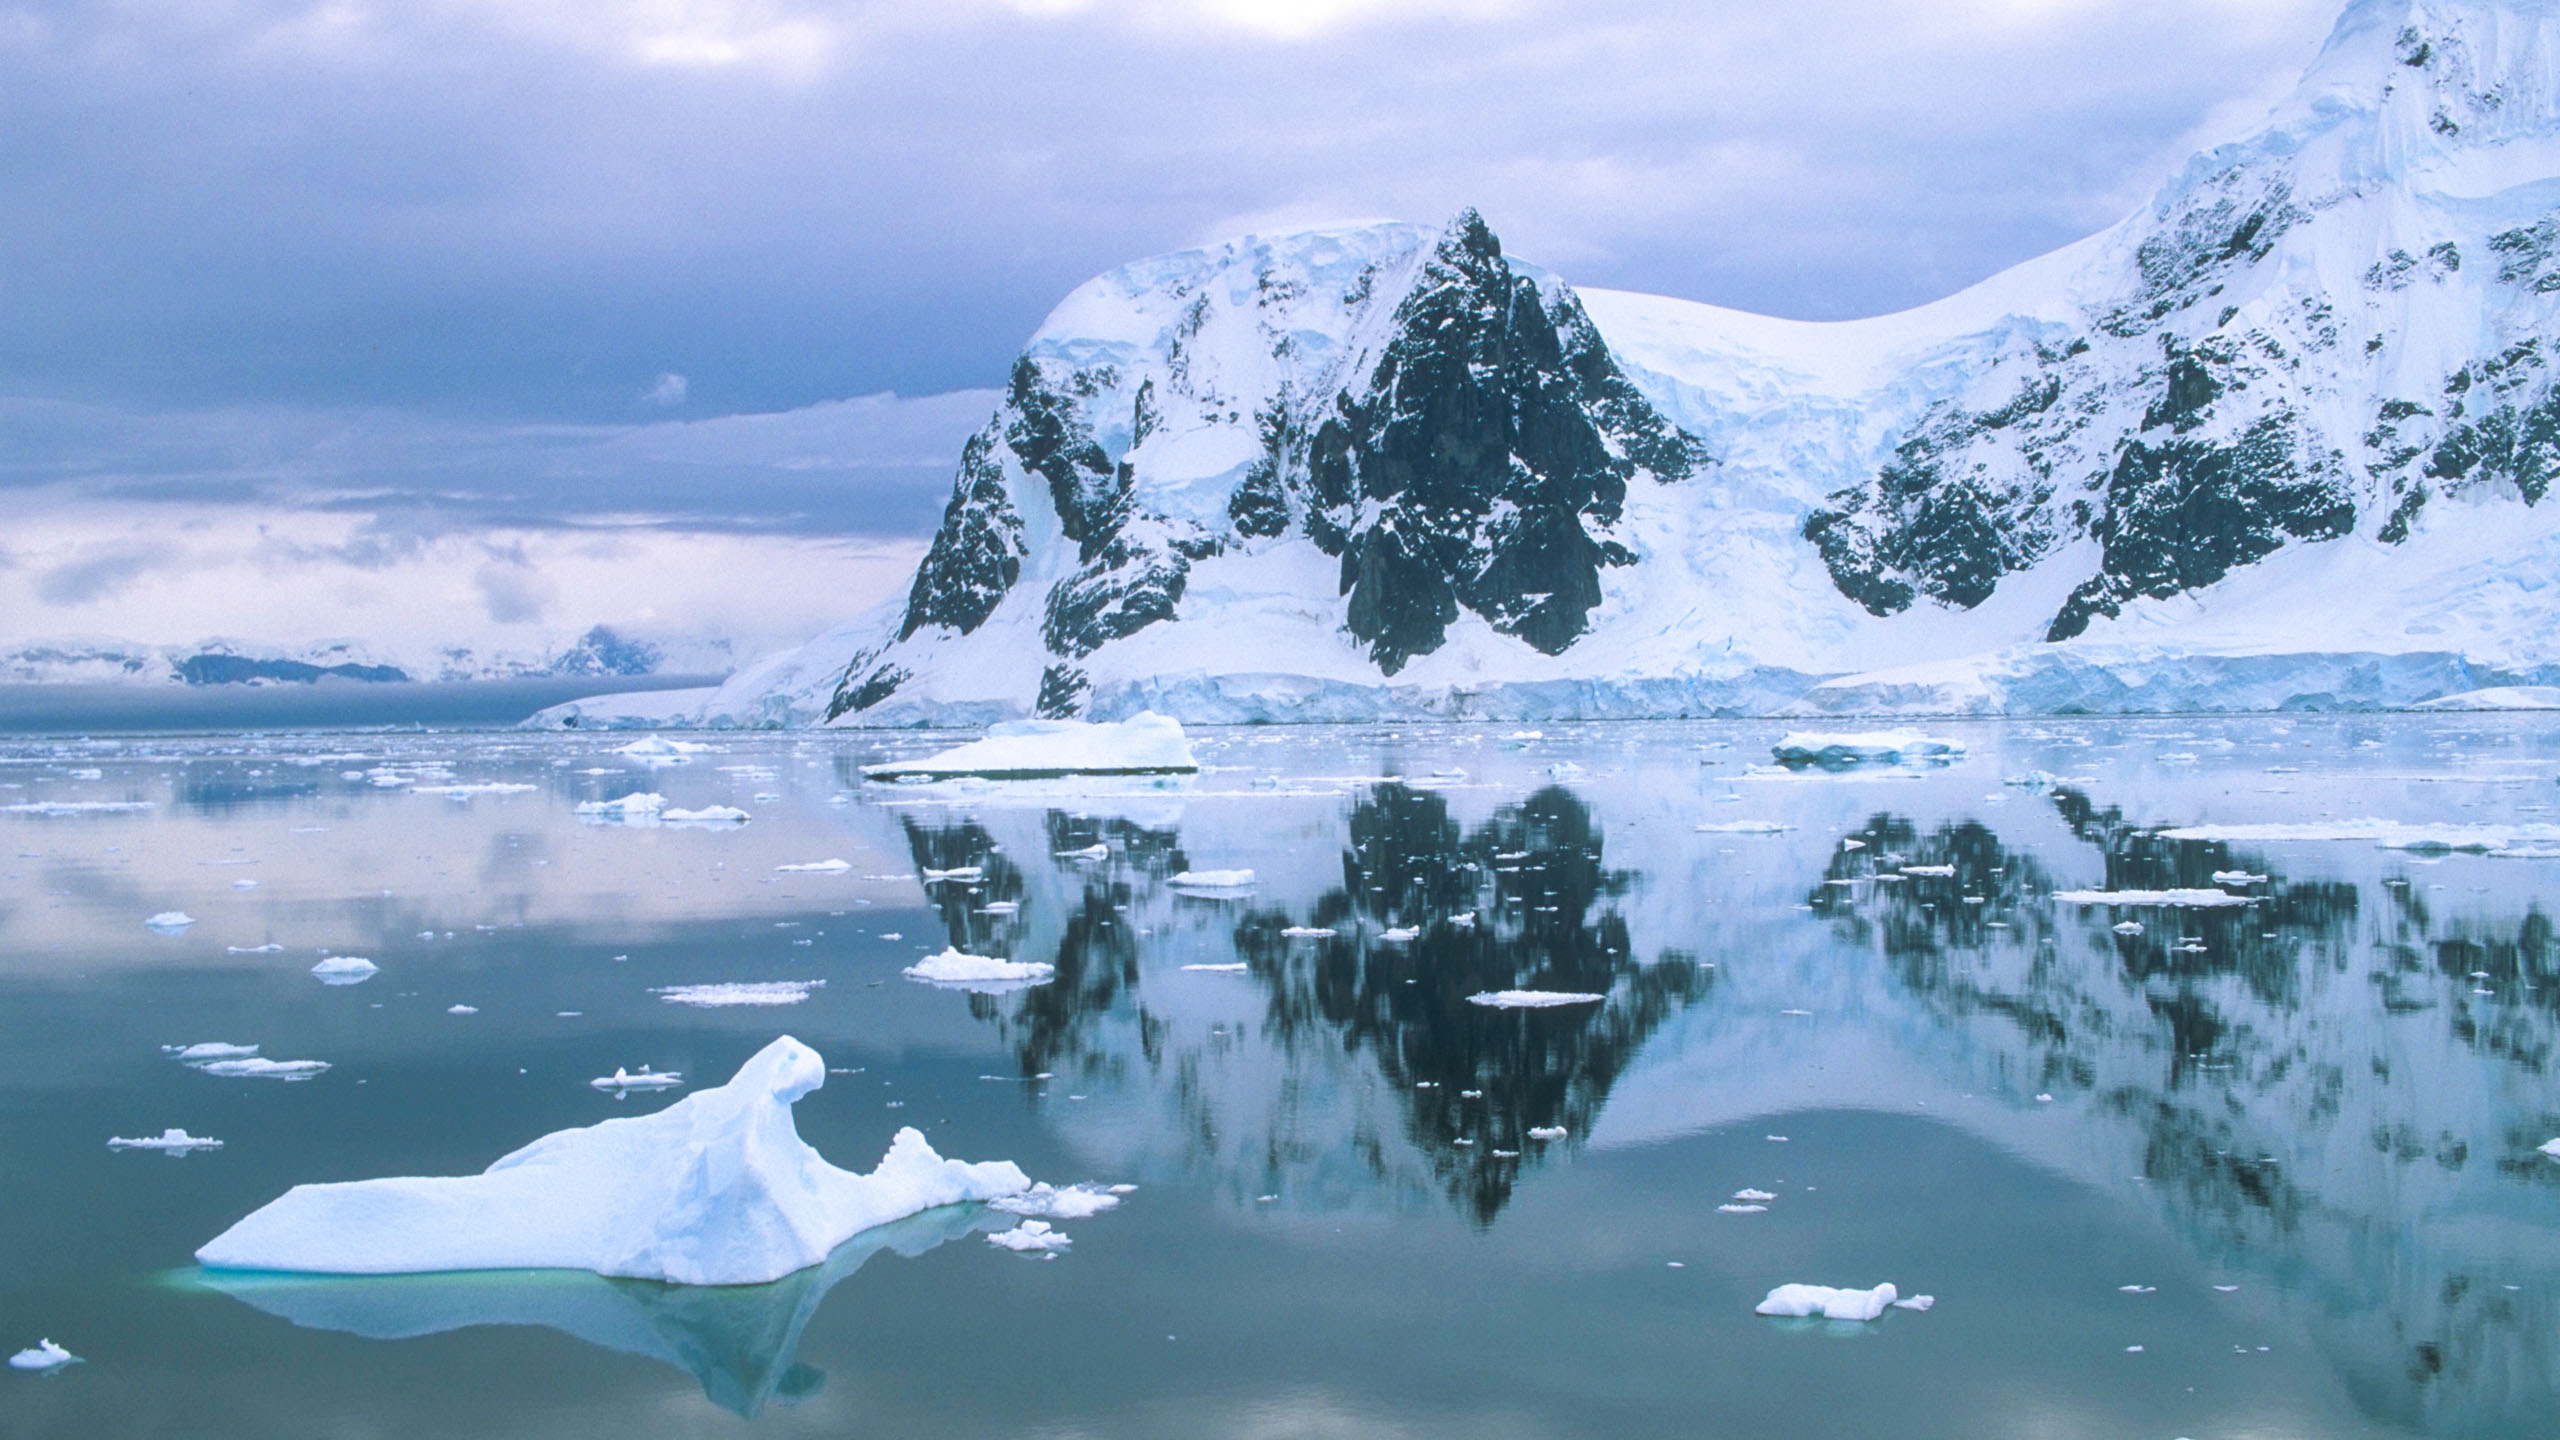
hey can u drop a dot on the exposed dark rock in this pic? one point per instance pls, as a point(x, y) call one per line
point(605, 651)
point(212, 669)
point(976, 555)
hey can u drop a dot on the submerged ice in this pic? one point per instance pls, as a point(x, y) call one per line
point(716, 1189)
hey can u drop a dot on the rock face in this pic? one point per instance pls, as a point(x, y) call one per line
point(2282, 438)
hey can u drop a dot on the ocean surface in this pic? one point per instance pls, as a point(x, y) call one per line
point(2266, 1167)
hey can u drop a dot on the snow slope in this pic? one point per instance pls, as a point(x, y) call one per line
point(2279, 439)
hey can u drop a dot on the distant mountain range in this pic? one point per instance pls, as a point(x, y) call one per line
point(2279, 439)
point(601, 651)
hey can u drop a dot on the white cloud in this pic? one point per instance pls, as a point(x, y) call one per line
point(669, 390)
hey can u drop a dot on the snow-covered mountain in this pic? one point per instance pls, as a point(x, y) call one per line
point(2280, 438)
point(601, 651)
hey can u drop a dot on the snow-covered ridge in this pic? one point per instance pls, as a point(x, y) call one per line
point(2280, 438)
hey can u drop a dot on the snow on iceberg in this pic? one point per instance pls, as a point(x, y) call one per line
point(44, 1355)
point(1533, 999)
point(716, 1189)
point(640, 807)
point(729, 994)
point(169, 1142)
point(1144, 744)
point(1808, 747)
point(2192, 899)
point(345, 970)
point(2497, 697)
point(1831, 1304)
point(984, 973)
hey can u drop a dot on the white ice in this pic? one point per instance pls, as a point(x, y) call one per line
point(642, 1079)
point(1230, 967)
point(57, 809)
point(1811, 747)
point(2190, 899)
point(1400, 934)
point(735, 993)
point(2525, 840)
point(1830, 1304)
point(259, 1068)
point(1074, 1202)
point(1030, 1237)
point(716, 1189)
point(345, 970)
point(170, 920)
point(1307, 932)
point(641, 807)
point(208, 1050)
point(44, 1355)
point(171, 1141)
point(978, 972)
point(1744, 827)
point(1532, 999)
point(658, 747)
point(815, 867)
point(1144, 744)
point(1546, 1132)
point(707, 815)
point(1212, 880)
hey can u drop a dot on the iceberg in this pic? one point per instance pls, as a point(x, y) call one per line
point(1533, 999)
point(641, 807)
point(345, 970)
point(1806, 747)
point(57, 809)
point(707, 815)
point(1212, 881)
point(739, 1342)
point(1031, 1237)
point(43, 1355)
point(815, 867)
point(659, 750)
point(716, 1189)
point(643, 1078)
point(725, 995)
point(1828, 1303)
point(207, 1050)
point(2550, 1147)
point(168, 1142)
point(984, 973)
point(1144, 744)
point(170, 921)
point(2189, 899)
point(258, 1068)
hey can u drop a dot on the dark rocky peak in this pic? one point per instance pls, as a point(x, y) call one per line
point(1483, 462)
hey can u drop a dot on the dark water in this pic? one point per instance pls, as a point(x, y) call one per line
point(2307, 1126)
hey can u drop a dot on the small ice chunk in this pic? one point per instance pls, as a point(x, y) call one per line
point(1212, 880)
point(170, 920)
point(1756, 1196)
point(244, 884)
point(978, 972)
point(2190, 899)
point(2550, 1147)
point(1095, 851)
point(1236, 967)
point(643, 1078)
point(2043, 1099)
point(462, 1009)
point(640, 807)
point(1399, 934)
point(2226, 1289)
point(1917, 1303)
point(257, 1067)
point(659, 747)
point(1307, 932)
point(960, 874)
point(1546, 1132)
point(729, 994)
point(1031, 1237)
point(707, 815)
point(2139, 1289)
point(1830, 1304)
point(1074, 1202)
point(270, 948)
point(169, 1142)
point(208, 1050)
point(2128, 928)
point(1001, 907)
point(1744, 827)
point(1533, 999)
point(44, 1355)
point(815, 867)
point(1862, 747)
point(345, 970)
point(716, 1189)
point(2237, 877)
point(1144, 744)
point(1741, 1209)
point(1930, 872)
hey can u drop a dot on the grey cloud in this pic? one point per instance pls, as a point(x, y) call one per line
point(513, 590)
point(484, 208)
point(100, 573)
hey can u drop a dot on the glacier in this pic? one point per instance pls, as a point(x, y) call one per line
point(2278, 440)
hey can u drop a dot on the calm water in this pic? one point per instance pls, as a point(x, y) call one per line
point(2306, 1127)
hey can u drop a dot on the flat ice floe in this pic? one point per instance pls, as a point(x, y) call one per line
point(1831, 1304)
point(640, 807)
point(1031, 1237)
point(733, 993)
point(2190, 899)
point(61, 809)
point(43, 1355)
point(270, 948)
point(207, 1050)
point(954, 969)
point(2521, 841)
point(1075, 1202)
point(2550, 1147)
point(1212, 880)
point(716, 1189)
point(1533, 999)
point(1143, 744)
point(484, 787)
point(345, 970)
point(259, 1068)
point(1226, 967)
point(1744, 827)
point(659, 750)
point(706, 816)
point(172, 1141)
point(170, 920)
point(815, 867)
point(1858, 747)
point(642, 1079)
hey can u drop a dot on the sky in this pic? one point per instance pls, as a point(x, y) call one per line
point(412, 282)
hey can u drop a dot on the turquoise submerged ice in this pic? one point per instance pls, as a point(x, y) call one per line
point(717, 1189)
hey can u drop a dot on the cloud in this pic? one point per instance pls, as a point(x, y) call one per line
point(101, 572)
point(513, 591)
point(669, 389)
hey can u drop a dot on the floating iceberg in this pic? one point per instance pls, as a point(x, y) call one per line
point(1212, 881)
point(641, 807)
point(2190, 899)
point(58, 809)
point(716, 1189)
point(659, 750)
point(270, 948)
point(1144, 744)
point(465, 792)
point(257, 1068)
point(345, 970)
point(1533, 999)
point(1930, 872)
point(642, 1079)
point(1744, 827)
point(1228, 967)
point(1830, 1304)
point(1546, 1132)
point(2497, 697)
point(1400, 934)
point(1031, 1237)
point(44, 1355)
point(1806, 747)
point(170, 921)
point(707, 815)
point(169, 1142)
point(815, 867)
point(2522, 841)
point(2237, 877)
point(207, 1050)
point(2551, 1148)
point(1095, 851)
point(1075, 1202)
point(957, 874)
point(978, 972)
point(736, 992)
point(1307, 932)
